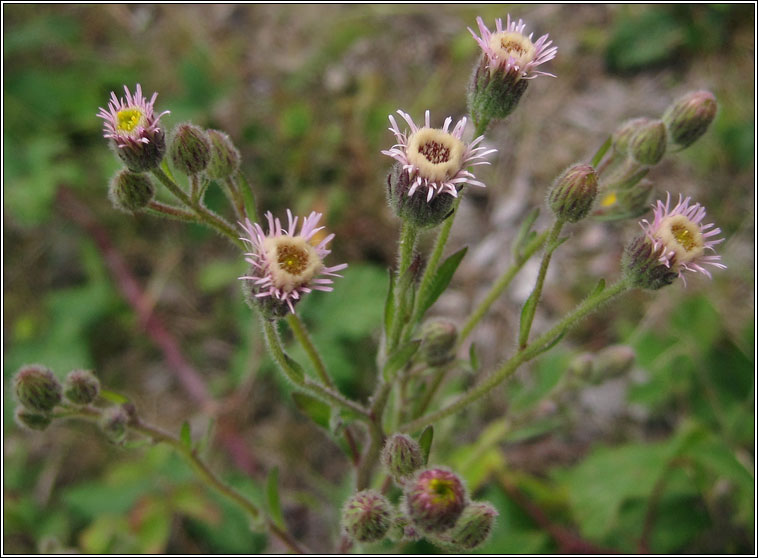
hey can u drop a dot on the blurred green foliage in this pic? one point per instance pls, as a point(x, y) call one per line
point(305, 92)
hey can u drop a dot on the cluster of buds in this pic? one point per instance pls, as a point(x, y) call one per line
point(640, 143)
point(39, 392)
point(434, 504)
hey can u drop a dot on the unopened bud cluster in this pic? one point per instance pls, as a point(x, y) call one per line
point(641, 143)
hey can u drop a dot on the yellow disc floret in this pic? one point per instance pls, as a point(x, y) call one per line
point(129, 119)
point(681, 236)
point(438, 155)
point(508, 44)
point(293, 262)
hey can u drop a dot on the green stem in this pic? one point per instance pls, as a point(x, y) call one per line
point(500, 285)
point(159, 209)
point(303, 337)
point(376, 434)
point(588, 306)
point(439, 375)
point(206, 215)
point(408, 235)
point(530, 306)
point(306, 384)
point(201, 468)
point(247, 195)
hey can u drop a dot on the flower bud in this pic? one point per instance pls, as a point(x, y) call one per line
point(573, 193)
point(402, 529)
point(438, 338)
point(225, 158)
point(81, 387)
point(367, 516)
point(473, 527)
point(131, 191)
point(113, 423)
point(402, 456)
point(435, 499)
point(37, 388)
point(494, 94)
point(624, 133)
point(581, 366)
point(141, 156)
point(190, 149)
point(648, 145)
point(32, 419)
point(688, 117)
point(415, 208)
point(642, 266)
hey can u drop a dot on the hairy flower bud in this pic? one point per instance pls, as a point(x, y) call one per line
point(648, 145)
point(494, 94)
point(435, 499)
point(113, 423)
point(438, 338)
point(131, 191)
point(688, 117)
point(573, 193)
point(642, 266)
point(403, 529)
point(367, 516)
point(402, 456)
point(37, 388)
point(473, 527)
point(581, 366)
point(626, 131)
point(415, 208)
point(225, 158)
point(190, 149)
point(81, 387)
point(31, 419)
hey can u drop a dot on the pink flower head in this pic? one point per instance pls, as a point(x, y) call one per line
point(685, 243)
point(284, 263)
point(131, 120)
point(511, 50)
point(436, 159)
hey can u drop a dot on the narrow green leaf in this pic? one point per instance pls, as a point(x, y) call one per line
point(294, 366)
point(185, 435)
point(558, 241)
point(599, 288)
point(389, 303)
point(247, 195)
point(527, 313)
point(205, 442)
point(273, 504)
point(425, 441)
point(600, 152)
point(440, 281)
point(552, 343)
point(473, 357)
point(400, 358)
point(113, 397)
point(315, 409)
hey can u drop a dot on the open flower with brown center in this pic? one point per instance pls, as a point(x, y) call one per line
point(435, 159)
point(511, 50)
point(686, 244)
point(286, 264)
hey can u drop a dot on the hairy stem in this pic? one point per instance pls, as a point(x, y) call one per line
point(204, 214)
point(306, 384)
point(408, 236)
point(525, 354)
point(500, 285)
point(530, 306)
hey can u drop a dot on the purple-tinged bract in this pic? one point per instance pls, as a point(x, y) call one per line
point(285, 263)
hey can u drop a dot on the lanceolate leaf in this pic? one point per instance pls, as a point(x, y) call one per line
point(440, 281)
point(425, 441)
point(315, 409)
point(272, 498)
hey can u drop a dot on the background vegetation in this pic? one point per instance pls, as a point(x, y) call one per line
point(661, 459)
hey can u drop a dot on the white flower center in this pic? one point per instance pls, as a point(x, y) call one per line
point(508, 45)
point(438, 155)
point(681, 236)
point(293, 262)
